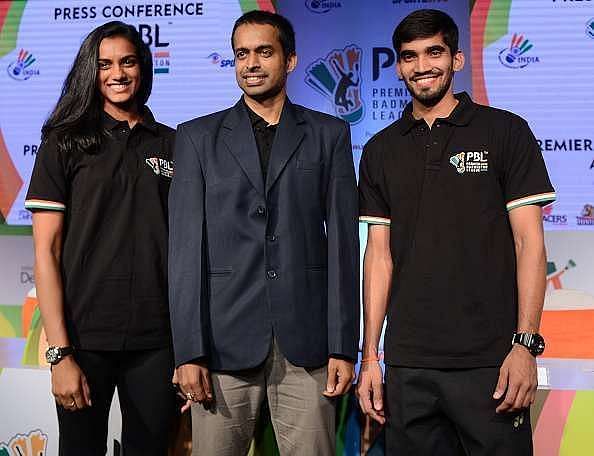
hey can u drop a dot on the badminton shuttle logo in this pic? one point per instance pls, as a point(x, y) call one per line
point(516, 55)
point(338, 78)
point(21, 69)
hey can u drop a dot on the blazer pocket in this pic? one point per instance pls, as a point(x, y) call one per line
point(218, 272)
point(306, 165)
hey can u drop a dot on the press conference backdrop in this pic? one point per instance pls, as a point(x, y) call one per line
point(532, 57)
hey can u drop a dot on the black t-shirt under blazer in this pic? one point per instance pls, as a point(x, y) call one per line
point(446, 192)
point(114, 258)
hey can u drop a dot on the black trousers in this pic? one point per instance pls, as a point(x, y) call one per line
point(147, 402)
point(451, 412)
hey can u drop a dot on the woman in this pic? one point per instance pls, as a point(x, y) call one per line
point(98, 194)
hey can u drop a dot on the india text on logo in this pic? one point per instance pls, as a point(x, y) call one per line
point(338, 77)
point(161, 62)
point(322, 6)
point(515, 56)
point(218, 60)
point(587, 215)
point(32, 444)
point(470, 162)
point(590, 28)
point(550, 218)
point(21, 69)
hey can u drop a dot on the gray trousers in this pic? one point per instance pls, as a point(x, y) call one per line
point(302, 418)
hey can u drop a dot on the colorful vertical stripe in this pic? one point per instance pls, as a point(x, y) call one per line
point(11, 13)
point(262, 5)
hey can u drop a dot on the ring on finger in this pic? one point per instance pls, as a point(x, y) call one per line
point(190, 396)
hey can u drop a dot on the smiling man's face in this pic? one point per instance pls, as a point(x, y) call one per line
point(261, 67)
point(427, 67)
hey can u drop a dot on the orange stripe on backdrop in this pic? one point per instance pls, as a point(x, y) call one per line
point(548, 432)
point(568, 333)
point(478, 23)
point(10, 180)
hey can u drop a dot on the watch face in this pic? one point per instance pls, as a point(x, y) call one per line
point(52, 355)
point(538, 345)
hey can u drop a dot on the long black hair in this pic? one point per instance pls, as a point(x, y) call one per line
point(76, 119)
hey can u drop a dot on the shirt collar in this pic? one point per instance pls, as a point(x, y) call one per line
point(255, 119)
point(460, 116)
point(148, 121)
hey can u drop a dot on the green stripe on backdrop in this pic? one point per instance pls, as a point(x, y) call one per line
point(578, 438)
point(9, 32)
point(15, 230)
point(497, 21)
point(31, 351)
point(10, 321)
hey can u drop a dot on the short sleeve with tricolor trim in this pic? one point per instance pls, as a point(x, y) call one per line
point(48, 186)
point(373, 202)
point(525, 178)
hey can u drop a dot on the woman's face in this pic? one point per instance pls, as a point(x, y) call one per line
point(118, 73)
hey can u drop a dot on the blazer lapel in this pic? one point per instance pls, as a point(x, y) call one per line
point(238, 136)
point(288, 137)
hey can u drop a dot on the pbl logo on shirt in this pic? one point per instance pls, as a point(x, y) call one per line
point(22, 68)
point(32, 444)
point(160, 166)
point(470, 162)
point(515, 56)
point(338, 78)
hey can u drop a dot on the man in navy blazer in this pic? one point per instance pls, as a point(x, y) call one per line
point(264, 258)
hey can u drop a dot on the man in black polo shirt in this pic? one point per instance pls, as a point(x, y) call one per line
point(455, 257)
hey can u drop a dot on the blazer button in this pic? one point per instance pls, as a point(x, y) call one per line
point(261, 211)
point(271, 274)
point(271, 238)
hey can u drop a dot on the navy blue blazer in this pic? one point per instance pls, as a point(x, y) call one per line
point(250, 259)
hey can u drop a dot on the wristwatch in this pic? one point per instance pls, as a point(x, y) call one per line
point(53, 355)
point(534, 342)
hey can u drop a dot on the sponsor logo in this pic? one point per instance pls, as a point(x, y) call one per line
point(32, 444)
point(470, 162)
point(338, 78)
point(27, 276)
point(322, 6)
point(587, 215)
point(551, 218)
point(516, 55)
point(22, 68)
point(218, 60)
point(160, 166)
point(590, 28)
point(161, 62)
point(554, 274)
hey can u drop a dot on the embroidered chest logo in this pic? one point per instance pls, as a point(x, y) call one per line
point(470, 162)
point(160, 166)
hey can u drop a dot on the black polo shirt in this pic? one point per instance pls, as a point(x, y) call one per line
point(264, 134)
point(446, 192)
point(114, 258)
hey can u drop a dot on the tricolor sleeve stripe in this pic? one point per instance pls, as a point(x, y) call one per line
point(44, 205)
point(374, 220)
point(532, 199)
